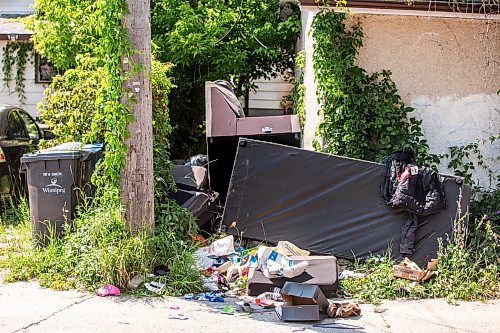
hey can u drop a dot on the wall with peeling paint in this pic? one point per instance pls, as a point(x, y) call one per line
point(448, 69)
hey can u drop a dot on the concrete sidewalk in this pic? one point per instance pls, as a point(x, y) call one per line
point(26, 307)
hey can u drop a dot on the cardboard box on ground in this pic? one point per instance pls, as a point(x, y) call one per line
point(302, 302)
point(408, 270)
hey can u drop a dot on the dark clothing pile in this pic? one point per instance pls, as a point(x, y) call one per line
point(416, 189)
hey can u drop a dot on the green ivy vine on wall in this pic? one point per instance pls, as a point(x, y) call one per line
point(16, 54)
point(466, 159)
point(299, 90)
point(363, 115)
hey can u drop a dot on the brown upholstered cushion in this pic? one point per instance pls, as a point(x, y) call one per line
point(322, 271)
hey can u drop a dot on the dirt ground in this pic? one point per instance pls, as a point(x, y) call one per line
point(26, 307)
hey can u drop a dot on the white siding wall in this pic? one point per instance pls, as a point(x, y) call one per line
point(266, 100)
point(33, 91)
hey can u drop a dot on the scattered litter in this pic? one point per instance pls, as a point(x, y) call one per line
point(135, 282)
point(207, 256)
point(108, 290)
point(224, 267)
point(347, 274)
point(211, 283)
point(210, 297)
point(175, 308)
point(221, 247)
point(343, 310)
point(265, 303)
point(203, 260)
point(179, 316)
point(408, 270)
point(379, 310)
point(161, 270)
point(233, 272)
point(228, 309)
point(213, 297)
point(154, 286)
point(274, 295)
point(289, 249)
point(244, 305)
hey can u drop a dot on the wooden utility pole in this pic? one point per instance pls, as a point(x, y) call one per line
point(137, 175)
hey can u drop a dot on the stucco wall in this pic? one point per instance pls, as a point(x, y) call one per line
point(448, 69)
point(33, 91)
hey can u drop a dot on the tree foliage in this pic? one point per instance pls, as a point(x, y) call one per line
point(66, 30)
point(209, 40)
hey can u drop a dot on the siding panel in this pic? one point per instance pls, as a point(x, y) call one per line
point(33, 91)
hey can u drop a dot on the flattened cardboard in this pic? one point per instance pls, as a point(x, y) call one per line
point(303, 302)
point(410, 271)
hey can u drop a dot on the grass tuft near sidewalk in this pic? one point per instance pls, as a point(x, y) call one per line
point(98, 248)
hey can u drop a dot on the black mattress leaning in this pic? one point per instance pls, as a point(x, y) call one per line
point(326, 204)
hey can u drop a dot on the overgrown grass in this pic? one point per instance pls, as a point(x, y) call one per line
point(98, 248)
point(468, 269)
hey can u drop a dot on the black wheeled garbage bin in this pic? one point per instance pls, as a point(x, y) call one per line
point(52, 178)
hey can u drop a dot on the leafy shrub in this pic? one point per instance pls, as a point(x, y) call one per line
point(364, 117)
point(69, 105)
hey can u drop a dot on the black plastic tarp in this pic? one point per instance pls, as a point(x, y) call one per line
point(325, 203)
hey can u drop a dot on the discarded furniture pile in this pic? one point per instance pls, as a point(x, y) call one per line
point(289, 213)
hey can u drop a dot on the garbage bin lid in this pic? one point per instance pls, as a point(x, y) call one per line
point(93, 147)
point(50, 155)
point(67, 146)
point(86, 150)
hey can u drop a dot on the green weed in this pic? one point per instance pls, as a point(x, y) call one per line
point(98, 248)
